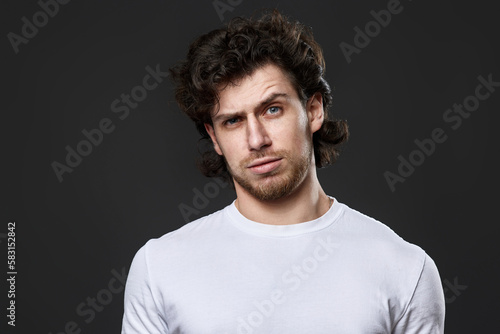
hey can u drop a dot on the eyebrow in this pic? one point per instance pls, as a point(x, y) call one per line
point(261, 104)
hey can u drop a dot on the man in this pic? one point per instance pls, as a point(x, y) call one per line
point(283, 257)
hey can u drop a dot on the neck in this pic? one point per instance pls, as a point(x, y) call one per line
point(305, 203)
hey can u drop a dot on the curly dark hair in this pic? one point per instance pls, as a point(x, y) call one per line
point(226, 55)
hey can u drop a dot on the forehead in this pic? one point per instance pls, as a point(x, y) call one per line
point(248, 92)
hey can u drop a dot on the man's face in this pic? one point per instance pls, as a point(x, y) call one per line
point(265, 133)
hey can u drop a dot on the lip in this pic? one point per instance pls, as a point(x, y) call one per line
point(265, 165)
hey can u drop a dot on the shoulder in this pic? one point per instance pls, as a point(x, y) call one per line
point(393, 264)
point(370, 233)
point(187, 238)
point(380, 248)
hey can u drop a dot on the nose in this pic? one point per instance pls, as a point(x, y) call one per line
point(257, 135)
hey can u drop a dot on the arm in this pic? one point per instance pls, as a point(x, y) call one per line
point(141, 313)
point(426, 309)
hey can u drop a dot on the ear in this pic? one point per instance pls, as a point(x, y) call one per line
point(315, 112)
point(211, 132)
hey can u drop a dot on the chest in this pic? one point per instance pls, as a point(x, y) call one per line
point(274, 294)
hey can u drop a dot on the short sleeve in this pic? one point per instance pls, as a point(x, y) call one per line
point(426, 310)
point(141, 313)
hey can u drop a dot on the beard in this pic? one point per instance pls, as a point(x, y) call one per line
point(280, 182)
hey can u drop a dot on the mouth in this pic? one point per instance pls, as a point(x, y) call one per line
point(264, 165)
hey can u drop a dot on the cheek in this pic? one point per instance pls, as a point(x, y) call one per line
point(301, 132)
point(229, 148)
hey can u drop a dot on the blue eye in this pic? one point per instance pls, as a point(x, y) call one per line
point(273, 110)
point(231, 121)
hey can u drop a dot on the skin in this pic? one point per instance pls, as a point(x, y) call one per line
point(265, 134)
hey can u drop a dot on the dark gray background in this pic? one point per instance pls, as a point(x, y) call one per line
point(71, 235)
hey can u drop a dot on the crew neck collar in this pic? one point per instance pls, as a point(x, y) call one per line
point(253, 227)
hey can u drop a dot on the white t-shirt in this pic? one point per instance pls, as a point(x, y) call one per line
point(341, 273)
